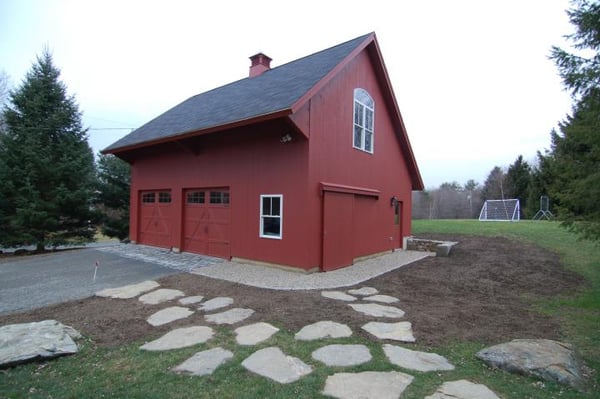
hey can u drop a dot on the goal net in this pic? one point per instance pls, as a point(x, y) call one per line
point(507, 210)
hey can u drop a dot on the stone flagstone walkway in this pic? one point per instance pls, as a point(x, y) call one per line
point(274, 364)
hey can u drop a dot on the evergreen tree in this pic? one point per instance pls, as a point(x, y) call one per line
point(581, 74)
point(574, 158)
point(493, 187)
point(47, 167)
point(575, 165)
point(518, 182)
point(113, 195)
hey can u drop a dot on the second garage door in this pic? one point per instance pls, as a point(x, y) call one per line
point(206, 224)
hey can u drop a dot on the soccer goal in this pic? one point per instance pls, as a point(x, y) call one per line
point(507, 210)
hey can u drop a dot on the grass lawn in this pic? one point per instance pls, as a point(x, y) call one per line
point(127, 372)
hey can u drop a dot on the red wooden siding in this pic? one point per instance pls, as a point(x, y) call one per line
point(337, 200)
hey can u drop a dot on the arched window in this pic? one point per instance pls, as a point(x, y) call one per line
point(364, 119)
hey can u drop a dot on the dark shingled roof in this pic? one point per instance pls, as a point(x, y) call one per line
point(275, 90)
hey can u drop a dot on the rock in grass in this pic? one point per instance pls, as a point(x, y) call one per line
point(415, 360)
point(180, 338)
point(205, 362)
point(323, 329)
point(276, 365)
point(342, 355)
point(463, 389)
point(367, 385)
point(20, 343)
point(254, 333)
point(542, 358)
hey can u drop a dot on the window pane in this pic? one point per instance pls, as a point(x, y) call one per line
point(359, 114)
point(225, 197)
point(356, 113)
point(164, 197)
point(368, 140)
point(195, 197)
point(357, 136)
point(275, 206)
point(369, 119)
point(266, 205)
point(272, 226)
point(364, 97)
point(147, 197)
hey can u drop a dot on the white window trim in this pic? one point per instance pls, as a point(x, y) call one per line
point(365, 106)
point(261, 224)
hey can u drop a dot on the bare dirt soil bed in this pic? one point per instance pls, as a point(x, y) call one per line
point(483, 292)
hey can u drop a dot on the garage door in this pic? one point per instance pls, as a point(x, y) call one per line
point(155, 224)
point(206, 224)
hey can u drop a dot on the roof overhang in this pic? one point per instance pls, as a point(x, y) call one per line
point(194, 133)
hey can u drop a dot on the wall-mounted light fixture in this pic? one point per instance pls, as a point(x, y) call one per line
point(286, 138)
point(393, 201)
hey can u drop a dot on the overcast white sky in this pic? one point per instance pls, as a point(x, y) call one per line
point(472, 78)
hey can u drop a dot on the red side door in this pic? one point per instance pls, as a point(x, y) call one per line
point(337, 230)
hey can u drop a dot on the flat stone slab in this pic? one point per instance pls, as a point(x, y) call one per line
point(180, 338)
point(381, 298)
point(343, 355)
point(363, 291)
point(463, 389)
point(377, 310)
point(191, 300)
point(542, 358)
point(253, 334)
point(367, 385)
point(128, 291)
point(168, 315)
point(323, 329)
point(401, 331)
point(20, 343)
point(216, 303)
point(205, 362)
point(274, 364)
point(415, 360)
point(230, 316)
point(339, 295)
point(160, 296)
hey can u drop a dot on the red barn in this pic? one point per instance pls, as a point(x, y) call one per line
point(306, 165)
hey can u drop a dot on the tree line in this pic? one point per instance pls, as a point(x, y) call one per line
point(53, 192)
point(455, 201)
point(568, 172)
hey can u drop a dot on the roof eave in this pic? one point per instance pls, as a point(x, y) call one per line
point(200, 132)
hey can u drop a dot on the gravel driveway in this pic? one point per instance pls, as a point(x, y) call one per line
point(31, 282)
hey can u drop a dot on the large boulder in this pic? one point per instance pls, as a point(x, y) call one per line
point(20, 343)
point(542, 358)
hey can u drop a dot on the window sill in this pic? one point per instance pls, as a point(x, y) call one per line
point(271, 237)
point(361, 150)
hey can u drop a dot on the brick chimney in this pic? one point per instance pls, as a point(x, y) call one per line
point(260, 63)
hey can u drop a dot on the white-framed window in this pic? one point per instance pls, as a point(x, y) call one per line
point(271, 216)
point(364, 120)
